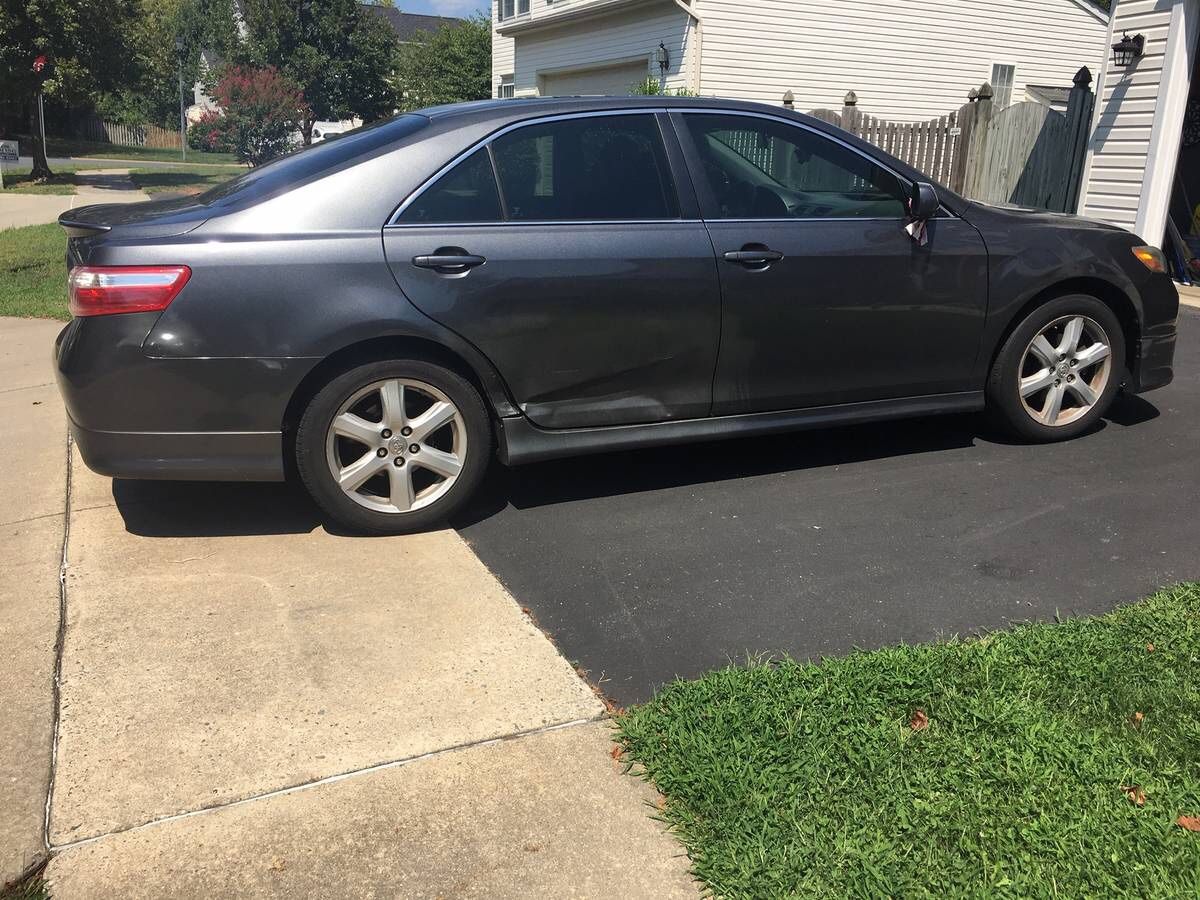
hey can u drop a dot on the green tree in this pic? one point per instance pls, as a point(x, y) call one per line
point(154, 97)
point(339, 55)
point(70, 50)
point(449, 65)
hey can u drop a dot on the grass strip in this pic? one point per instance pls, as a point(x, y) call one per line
point(78, 148)
point(1047, 760)
point(17, 181)
point(33, 272)
point(182, 180)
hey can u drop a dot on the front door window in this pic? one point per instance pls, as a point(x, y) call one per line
point(764, 169)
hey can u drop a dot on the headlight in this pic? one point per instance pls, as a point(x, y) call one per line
point(1152, 258)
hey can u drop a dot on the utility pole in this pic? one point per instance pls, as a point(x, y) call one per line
point(182, 112)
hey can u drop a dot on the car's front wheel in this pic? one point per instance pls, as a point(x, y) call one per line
point(1059, 370)
point(393, 447)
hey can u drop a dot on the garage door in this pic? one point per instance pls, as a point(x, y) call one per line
point(608, 80)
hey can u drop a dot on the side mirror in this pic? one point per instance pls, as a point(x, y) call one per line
point(923, 203)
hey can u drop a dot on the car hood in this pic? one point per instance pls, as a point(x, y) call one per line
point(980, 214)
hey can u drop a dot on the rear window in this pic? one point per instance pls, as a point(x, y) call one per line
point(284, 173)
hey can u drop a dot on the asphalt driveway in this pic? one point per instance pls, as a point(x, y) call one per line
point(654, 564)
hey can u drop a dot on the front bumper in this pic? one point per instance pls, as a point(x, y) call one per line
point(1155, 365)
point(137, 416)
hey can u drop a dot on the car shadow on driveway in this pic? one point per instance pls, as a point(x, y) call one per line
point(611, 474)
point(210, 509)
point(214, 509)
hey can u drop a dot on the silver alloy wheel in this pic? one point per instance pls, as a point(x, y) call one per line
point(1065, 370)
point(396, 446)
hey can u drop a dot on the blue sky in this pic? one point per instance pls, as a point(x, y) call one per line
point(443, 7)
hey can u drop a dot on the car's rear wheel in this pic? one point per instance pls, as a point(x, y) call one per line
point(393, 447)
point(1059, 370)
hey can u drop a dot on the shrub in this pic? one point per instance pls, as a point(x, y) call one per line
point(651, 88)
point(258, 112)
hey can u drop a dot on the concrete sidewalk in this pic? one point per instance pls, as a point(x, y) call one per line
point(96, 186)
point(33, 446)
point(1189, 294)
point(251, 706)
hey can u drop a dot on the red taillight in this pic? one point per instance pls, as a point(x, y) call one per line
point(105, 290)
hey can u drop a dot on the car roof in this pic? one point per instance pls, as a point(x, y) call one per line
point(520, 107)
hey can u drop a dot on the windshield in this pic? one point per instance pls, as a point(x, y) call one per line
point(286, 172)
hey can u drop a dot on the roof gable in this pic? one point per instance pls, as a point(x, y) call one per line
point(1103, 13)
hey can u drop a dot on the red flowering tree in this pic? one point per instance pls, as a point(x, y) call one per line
point(259, 112)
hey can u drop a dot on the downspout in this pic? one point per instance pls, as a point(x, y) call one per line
point(698, 50)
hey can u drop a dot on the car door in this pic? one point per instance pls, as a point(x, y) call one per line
point(827, 299)
point(564, 251)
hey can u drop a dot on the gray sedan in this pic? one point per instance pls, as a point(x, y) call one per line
point(380, 314)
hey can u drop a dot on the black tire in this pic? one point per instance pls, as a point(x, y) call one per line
point(1003, 386)
point(312, 437)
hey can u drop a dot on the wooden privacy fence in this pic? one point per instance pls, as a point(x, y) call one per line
point(94, 129)
point(930, 146)
point(1026, 154)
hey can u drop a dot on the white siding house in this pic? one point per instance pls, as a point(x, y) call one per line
point(1135, 148)
point(907, 60)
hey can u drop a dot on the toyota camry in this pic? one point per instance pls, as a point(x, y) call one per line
point(382, 314)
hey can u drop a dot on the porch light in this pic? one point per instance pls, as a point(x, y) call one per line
point(664, 58)
point(1127, 50)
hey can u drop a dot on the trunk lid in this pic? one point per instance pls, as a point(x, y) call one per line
point(158, 218)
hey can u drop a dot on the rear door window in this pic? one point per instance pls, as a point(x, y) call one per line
point(464, 195)
point(593, 168)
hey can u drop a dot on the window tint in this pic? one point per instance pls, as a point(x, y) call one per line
point(467, 193)
point(762, 169)
point(593, 169)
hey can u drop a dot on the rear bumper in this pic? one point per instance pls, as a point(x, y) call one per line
point(138, 416)
point(183, 456)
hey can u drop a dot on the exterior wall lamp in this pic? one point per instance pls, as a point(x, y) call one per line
point(664, 62)
point(1128, 49)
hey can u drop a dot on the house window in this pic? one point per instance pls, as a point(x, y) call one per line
point(506, 90)
point(1002, 84)
point(507, 9)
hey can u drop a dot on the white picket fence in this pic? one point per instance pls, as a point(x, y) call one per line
point(94, 129)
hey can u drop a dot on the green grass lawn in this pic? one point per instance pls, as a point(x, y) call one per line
point(73, 147)
point(33, 272)
point(182, 180)
point(16, 181)
point(789, 779)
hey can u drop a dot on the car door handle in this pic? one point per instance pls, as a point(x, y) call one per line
point(448, 262)
point(753, 257)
